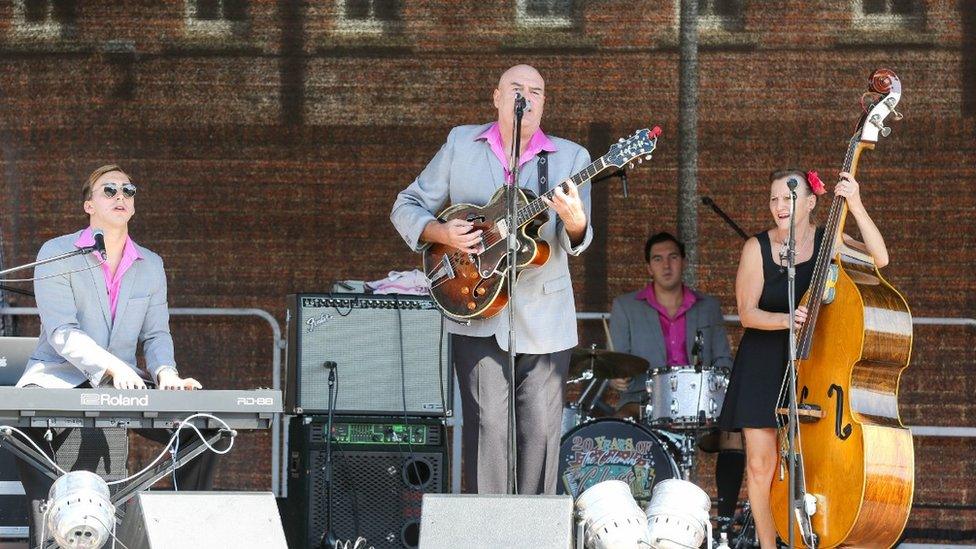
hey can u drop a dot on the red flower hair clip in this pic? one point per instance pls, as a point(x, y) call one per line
point(816, 185)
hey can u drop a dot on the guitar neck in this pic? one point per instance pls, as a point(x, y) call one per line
point(533, 209)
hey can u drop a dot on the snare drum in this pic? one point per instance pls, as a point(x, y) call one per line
point(613, 449)
point(681, 398)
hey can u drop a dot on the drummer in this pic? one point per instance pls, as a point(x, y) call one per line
point(660, 324)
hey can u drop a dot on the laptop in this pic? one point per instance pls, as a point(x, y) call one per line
point(14, 354)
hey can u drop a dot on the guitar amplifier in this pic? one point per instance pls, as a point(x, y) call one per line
point(389, 353)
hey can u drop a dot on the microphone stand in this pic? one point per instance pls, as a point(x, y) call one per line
point(621, 173)
point(735, 226)
point(794, 416)
point(512, 260)
point(80, 251)
point(329, 538)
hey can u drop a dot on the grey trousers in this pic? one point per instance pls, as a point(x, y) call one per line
point(483, 377)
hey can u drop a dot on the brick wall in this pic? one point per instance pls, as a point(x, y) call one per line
point(268, 157)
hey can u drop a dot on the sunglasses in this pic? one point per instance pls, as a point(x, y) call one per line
point(111, 189)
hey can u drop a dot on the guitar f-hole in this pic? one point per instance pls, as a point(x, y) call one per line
point(841, 433)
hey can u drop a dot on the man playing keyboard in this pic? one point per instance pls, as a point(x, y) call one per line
point(95, 312)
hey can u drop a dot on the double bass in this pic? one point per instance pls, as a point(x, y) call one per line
point(855, 461)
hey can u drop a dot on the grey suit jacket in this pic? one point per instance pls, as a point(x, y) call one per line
point(465, 170)
point(635, 329)
point(78, 339)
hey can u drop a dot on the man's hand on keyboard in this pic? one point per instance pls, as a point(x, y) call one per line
point(124, 377)
point(169, 380)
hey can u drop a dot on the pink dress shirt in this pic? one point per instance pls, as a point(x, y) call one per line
point(537, 143)
point(113, 283)
point(674, 328)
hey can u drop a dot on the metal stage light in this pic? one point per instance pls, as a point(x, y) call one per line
point(79, 512)
point(611, 518)
point(677, 516)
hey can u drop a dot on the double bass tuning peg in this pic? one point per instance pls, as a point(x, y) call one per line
point(876, 122)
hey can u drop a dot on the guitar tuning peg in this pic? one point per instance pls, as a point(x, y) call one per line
point(640, 160)
point(621, 140)
point(631, 165)
point(648, 157)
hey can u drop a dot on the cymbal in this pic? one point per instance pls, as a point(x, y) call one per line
point(605, 364)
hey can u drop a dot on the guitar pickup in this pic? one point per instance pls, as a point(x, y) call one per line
point(502, 226)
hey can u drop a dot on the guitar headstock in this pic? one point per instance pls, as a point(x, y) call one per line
point(884, 92)
point(636, 147)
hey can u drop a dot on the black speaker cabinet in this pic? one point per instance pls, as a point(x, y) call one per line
point(381, 468)
point(390, 354)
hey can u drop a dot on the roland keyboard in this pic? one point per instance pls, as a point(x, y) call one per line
point(136, 409)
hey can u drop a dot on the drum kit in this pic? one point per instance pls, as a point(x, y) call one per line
point(655, 443)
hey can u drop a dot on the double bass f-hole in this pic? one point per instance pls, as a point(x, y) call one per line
point(842, 433)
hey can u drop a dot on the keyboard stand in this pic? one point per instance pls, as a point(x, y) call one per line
point(36, 459)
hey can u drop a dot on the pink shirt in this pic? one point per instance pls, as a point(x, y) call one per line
point(129, 256)
point(537, 143)
point(673, 329)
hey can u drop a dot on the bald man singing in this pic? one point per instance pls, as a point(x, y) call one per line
point(469, 168)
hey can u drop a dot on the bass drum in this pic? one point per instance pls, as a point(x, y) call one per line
point(613, 449)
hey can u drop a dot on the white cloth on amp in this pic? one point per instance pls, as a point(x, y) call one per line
point(401, 282)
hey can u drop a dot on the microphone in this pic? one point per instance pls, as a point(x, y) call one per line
point(792, 183)
point(522, 104)
point(696, 351)
point(100, 243)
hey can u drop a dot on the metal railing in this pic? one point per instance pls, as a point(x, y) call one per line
point(917, 430)
point(277, 346)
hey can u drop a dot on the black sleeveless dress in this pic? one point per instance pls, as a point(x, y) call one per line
point(760, 362)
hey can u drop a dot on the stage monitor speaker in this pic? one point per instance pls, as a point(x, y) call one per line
point(390, 353)
point(157, 520)
point(491, 521)
point(381, 467)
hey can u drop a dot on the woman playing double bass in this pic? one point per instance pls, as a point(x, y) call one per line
point(761, 298)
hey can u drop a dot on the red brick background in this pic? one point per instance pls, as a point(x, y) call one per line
point(268, 159)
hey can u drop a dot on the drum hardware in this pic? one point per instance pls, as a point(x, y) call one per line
point(604, 364)
point(581, 409)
